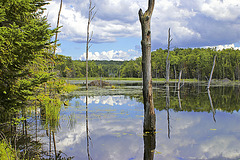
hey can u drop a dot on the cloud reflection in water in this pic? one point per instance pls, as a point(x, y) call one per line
point(115, 129)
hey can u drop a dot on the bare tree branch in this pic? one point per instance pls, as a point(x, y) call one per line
point(59, 13)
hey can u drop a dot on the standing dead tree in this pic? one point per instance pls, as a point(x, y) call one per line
point(210, 79)
point(168, 59)
point(91, 15)
point(149, 113)
point(59, 13)
point(179, 80)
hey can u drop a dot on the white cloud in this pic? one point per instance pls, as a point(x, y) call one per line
point(111, 55)
point(113, 19)
point(193, 23)
point(71, 20)
point(221, 47)
point(223, 10)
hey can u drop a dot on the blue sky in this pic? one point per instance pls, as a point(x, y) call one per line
point(117, 32)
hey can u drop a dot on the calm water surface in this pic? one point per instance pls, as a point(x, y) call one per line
point(108, 124)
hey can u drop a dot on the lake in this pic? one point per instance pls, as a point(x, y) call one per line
point(107, 124)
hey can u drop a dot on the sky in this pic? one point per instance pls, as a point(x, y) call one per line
point(117, 31)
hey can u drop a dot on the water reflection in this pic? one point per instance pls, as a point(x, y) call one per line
point(112, 128)
point(211, 103)
point(203, 125)
point(149, 146)
point(116, 126)
point(167, 108)
point(87, 131)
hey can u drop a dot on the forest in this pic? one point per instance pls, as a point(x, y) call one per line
point(196, 63)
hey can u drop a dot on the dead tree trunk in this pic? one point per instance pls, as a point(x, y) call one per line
point(59, 13)
point(149, 113)
point(210, 78)
point(179, 80)
point(91, 15)
point(167, 60)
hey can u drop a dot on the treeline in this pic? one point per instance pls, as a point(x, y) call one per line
point(195, 64)
point(69, 68)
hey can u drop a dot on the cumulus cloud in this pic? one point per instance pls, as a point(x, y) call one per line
point(221, 10)
point(227, 46)
point(193, 23)
point(196, 23)
point(113, 19)
point(111, 55)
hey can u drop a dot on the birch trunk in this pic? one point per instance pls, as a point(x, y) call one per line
point(167, 60)
point(149, 113)
point(179, 80)
point(210, 79)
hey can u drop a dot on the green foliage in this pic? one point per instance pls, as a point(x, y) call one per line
point(196, 64)
point(49, 99)
point(24, 39)
point(131, 69)
point(6, 151)
point(77, 69)
point(27, 76)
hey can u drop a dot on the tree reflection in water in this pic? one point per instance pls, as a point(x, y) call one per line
point(167, 109)
point(211, 103)
point(87, 130)
point(149, 145)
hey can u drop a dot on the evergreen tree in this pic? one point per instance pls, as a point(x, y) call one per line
point(24, 39)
